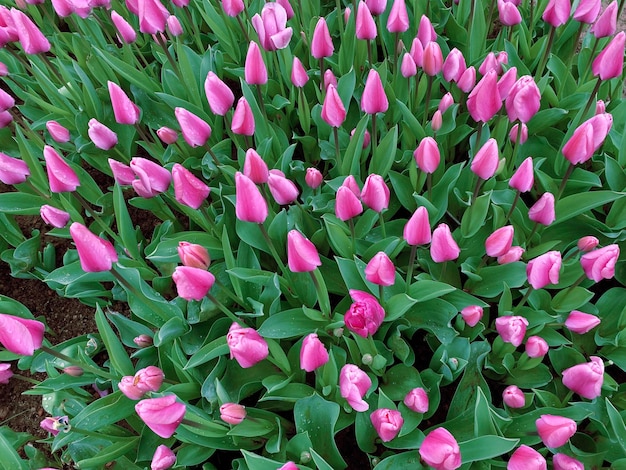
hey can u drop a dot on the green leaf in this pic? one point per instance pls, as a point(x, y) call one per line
point(124, 223)
point(127, 71)
point(494, 279)
point(288, 324)
point(404, 460)
point(256, 462)
point(117, 354)
point(485, 447)
point(385, 153)
point(545, 119)
point(110, 453)
point(474, 217)
point(174, 328)
point(21, 203)
point(617, 423)
point(397, 305)
point(215, 348)
point(571, 299)
point(10, 458)
point(425, 290)
point(576, 204)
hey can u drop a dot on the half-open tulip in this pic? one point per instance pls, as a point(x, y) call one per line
point(387, 423)
point(302, 256)
point(188, 189)
point(20, 335)
point(512, 329)
point(271, 27)
point(162, 414)
point(440, 450)
point(585, 379)
point(600, 264)
point(152, 179)
point(163, 458)
point(353, 385)
point(417, 400)
point(544, 269)
point(526, 458)
point(365, 315)
point(555, 430)
point(12, 170)
point(246, 346)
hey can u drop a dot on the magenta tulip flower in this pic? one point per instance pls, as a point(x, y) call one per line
point(52, 216)
point(380, 270)
point(60, 175)
point(365, 24)
point(313, 177)
point(536, 346)
point(302, 256)
point(610, 61)
point(565, 462)
point(587, 243)
point(417, 400)
point(95, 253)
point(193, 255)
point(58, 132)
point(523, 99)
point(513, 397)
point(167, 135)
point(353, 385)
point(512, 329)
point(523, 178)
point(101, 136)
point(606, 23)
point(467, 81)
point(333, 110)
point(600, 264)
point(163, 458)
point(526, 458)
point(580, 322)
point(299, 76)
point(472, 314)
point(500, 241)
point(398, 19)
point(125, 32)
point(255, 72)
point(283, 190)
point(255, 168)
point(195, 130)
point(443, 247)
point(13, 170)
point(427, 155)
point(124, 110)
point(29, 35)
point(192, 283)
point(188, 189)
point(250, 206)
point(122, 174)
point(587, 11)
point(233, 7)
point(375, 193)
point(271, 27)
point(246, 345)
point(557, 12)
point(313, 353)
point(162, 415)
point(20, 335)
point(508, 13)
point(347, 204)
point(484, 100)
point(544, 269)
point(365, 315)
point(585, 379)
point(417, 229)
point(432, 60)
point(542, 211)
point(321, 43)
point(374, 100)
point(440, 450)
point(152, 179)
point(219, 96)
point(152, 16)
point(554, 430)
point(485, 162)
point(233, 413)
point(386, 422)
point(5, 373)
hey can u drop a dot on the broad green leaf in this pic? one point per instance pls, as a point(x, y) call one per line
point(617, 423)
point(486, 447)
point(288, 324)
point(576, 204)
point(174, 328)
point(494, 279)
point(117, 354)
point(21, 203)
point(424, 290)
point(215, 348)
point(404, 460)
point(10, 458)
point(385, 153)
point(109, 454)
point(474, 217)
point(571, 299)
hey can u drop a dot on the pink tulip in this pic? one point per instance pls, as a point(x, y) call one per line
point(193, 255)
point(366, 137)
point(398, 19)
point(513, 397)
point(353, 385)
point(375, 193)
point(302, 256)
point(271, 27)
point(580, 322)
point(523, 136)
point(188, 189)
point(313, 177)
point(125, 32)
point(329, 79)
point(587, 243)
point(512, 329)
point(508, 13)
point(440, 450)
point(365, 315)
point(152, 16)
point(606, 23)
point(246, 345)
point(408, 67)
point(58, 132)
point(195, 130)
point(250, 206)
point(232, 413)
point(333, 110)
point(536, 346)
point(255, 168)
point(585, 379)
point(29, 36)
point(299, 76)
point(587, 11)
point(283, 190)
point(288, 466)
point(417, 400)
point(153, 178)
point(485, 162)
point(500, 241)
point(506, 83)
point(432, 61)
point(446, 101)
point(484, 100)
point(454, 66)
point(63, 8)
point(542, 211)
point(490, 62)
point(12, 170)
point(233, 7)
point(380, 270)
point(6, 100)
point(124, 110)
point(347, 205)
point(600, 264)
point(143, 341)
point(610, 61)
point(350, 183)
point(544, 269)
point(523, 178)
point(443, 247)
point(167, 135)
point(163, 458)
point(555, 431)
point(95, 253)
point(313, 353)
point(243, 119)
point(255, 72)
point(523, 100)
point(387, 423)
point(374, 100)
point(101, 136)
point(122, 174)
point(162, 415)
point(526, 458)
point(425, 31)
point(365, 24)
point(557, 12)
point(511, 256)
point(55, 424)
point(5, 373)
point(417, 52)
point(4, 71)
point(61, 177)
point(20, 335)
point(580, 147)
point(565, 462)
point(73, 371)
point(472, 314)
point(145, 380)
point(437, 121)
point(417, 229)
point(133, 6)
point(219, 96)
point(321, 43)
point(192, 283)
point(130, 389)
point(468, 80)
point(53, 216)
point(377, 7)
point(287, 6)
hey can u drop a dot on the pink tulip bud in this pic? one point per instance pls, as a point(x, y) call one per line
point(143, 341)
point(152, 16)
point(587, 243)
point(302, 256)
point(557, 12)
point(313, 177)
point(133, 6)
point(271, 27)
point(168, 136)
point(233, 7)
point(580, 147)
point(508, 13)
point(375, 193)
point(173, 26)
point(196, 131)
point(374, 100)
point(193, 255)
point(29, 36)
point(454, 66)
point(58, 132)
point(162, 415)
point(544, 269)
point(365, 24)
point(163, 458)
point(417, 229)
point(526, 458)
point(255, 168)
point(366, 137)
point(101, 136)
point(322, 43)
point(468, 80)
point(5, 373)
point(398, 20)
point(580, 322)
point(283, 190)
point(440, 450)
point(408, 68)
point(365, 315)
point(125, 111)
point(188, 189)
point(299, 76)
point(255, 72)
point(6, 100)
point(333, 110)
point(427, 155)
point(523, 136)
point(232, 413)
point(246, 345)
point(500, 241)
point(153, 178)
point(380, 270)
point(425, 31)
point(4, 71)
point(485, 162)
point(63, 8)
point(313, 353)
point(329, 79)
point(417, 52)
point(565, 462)
point(353, 385)
point(513, 397)
point(12, 170)
point(523, 178)
point(5, 119)
point(536, 346)
point(506, 83)
point(20, 335)
point(472, 314)
point(432, 61)
point(523, 100)
point(587, 11)
point(417, 400)
point(484, 100)
point(219, 96)
point(606, 24)
point(585, 379)
point(386, 422)
point(350, 183)
point(542, 211)
point(446, 101)
point(61, 177)
point(437, 121)
point(73, 371)
point(243, 118)
point(511, 256)
point(347, 204)
point(600, 264)
point(53, 216)
point(192, 283)
point(610, 61)
point(554, 430)
point(123, 174)
point(490, 63)
point(600, 107)
point(149, 379)
point(125, 32)
point(377, 7)
point(512, 329)
point(443, 247)
point(250, 205)
point(95, 253)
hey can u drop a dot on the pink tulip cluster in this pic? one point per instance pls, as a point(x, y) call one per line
point(192, 279)
point(145, 380)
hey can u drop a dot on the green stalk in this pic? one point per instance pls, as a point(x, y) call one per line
point(223, 308)
point(272, 248)
point(508, 215)
point(261, 102)
point(592, 97)
point(524, 298)
point(338, 152)
point(429, 87)
point(72, 361)
point(409, 270)
point(96, 217)
point(322, 292)
point(544, 59)
point(568, 173)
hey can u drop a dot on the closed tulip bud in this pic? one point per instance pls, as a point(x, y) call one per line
point(417, 52)
point(580, 147)
point(446, 101)
point(606, 24)
point(536, 346)
point(250, 206)
point(12, 170)
point(152, 179)
point(299, 76)
point(152, 16)
point(557, 12)
point(350, 183)
point(143, 341)
point(192, 283)
point(163, 458)
point(443, 247)
point(6, 100)
point(53, 216)
point(347, 204)
point(542, 211)
point(5, 373)
point(168, 136)
point(333, 110)
point(232, 413)
point(365, 315)
point(380, 270)
point(585, 379)
point(255, 72)
point(95, 253)
point(195, 130)
point(417, 229)
point(219, 96)
point(513, 397)
point(125, 32)
point(122, 174)
point(484, 100)
point(255, 168)
point(565, 462)
point(440, 450)
point(610, 62)
point(365, 24)
point(425, 31)
point(587, 11)
point(544, 269)
point(512, 329)
point(271, 27)
point(432, 62)
point(523, 136)
point(408, 68)
point(63, 8)
point(580, 322)
point(437, 121)
point(5, 119)
point(188, 189)
point(20, 335)
point(417, 400)
point(313, 178)
point(468, 80)
point(485, 162)
point(162, 415)
point(508, 13)
point(74, 371)
point(124, 110)
point(472, 314)
point(490, 62)
point(600, 107)
point(246, 345)
point(523, 100)
point(58, 132)
point(321, 43)
point(587, 243)
point(61, 177)
point(374, 100)
point(523, 178)
point(377, 7)
point(398, 20)
point(101, 136)
point(554, 430)
point(353, 385)
point(511, 256)
point(313, 353)
point(427, 155)
point(4, 70)
point(29, 36)
point(526, 458)
point(454, 66)
point(243, 119)
point(500, 241)
point(600, 264)
point(233, 7)
point(366, 137)
point(302, 256)
point(282, 189)
point(329, 79)
point(375, 193)
point(387, 423)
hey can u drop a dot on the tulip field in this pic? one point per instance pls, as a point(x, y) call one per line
point(315, 235)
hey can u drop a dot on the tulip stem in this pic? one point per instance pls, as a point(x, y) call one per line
point(508, 215)
point(230, 294)
point(575, 44)
point(223, 308)
point(351, 224)
point(479, 182)
point(442, 275)
point(161, 42)
point(591, 97)
point(382, 224)
point(143, 135)
point(96, 217)
point(322, 292)
point(259, 94)
point(374, 136)
point(544, 59)
point(532, 232)
point(429, 184)
point(322, 87)
point(243, 29)
point(429, 87)
point(568, 173)
point(272, 248)
point(409, 270)
point(338, 152)
point(72, 361)
point(596, 42)
point(339, 16)
point(25, 379)
point(524, 298)
point(369, 52)
point(517, 144)
point(567, 398)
